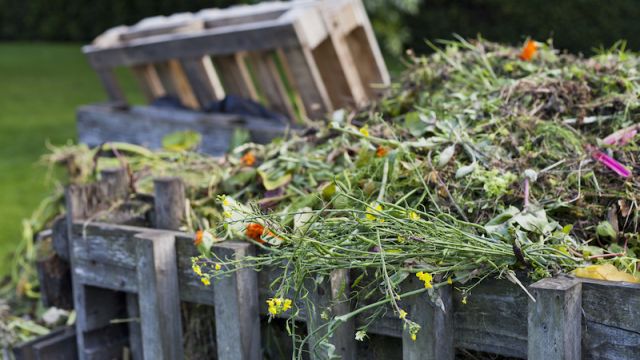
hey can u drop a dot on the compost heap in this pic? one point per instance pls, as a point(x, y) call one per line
point(482, 161)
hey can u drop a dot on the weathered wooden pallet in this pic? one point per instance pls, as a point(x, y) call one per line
point(146, 125)
point(128, 271)
point(300, 58)
point(57, 345)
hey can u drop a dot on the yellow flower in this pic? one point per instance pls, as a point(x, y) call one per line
point(196, 269)
point(287, 305)
point(464, 300)
point(218, 267)
point(427, 278)
point(205, 281)
point(449, 280)
point(227, 214)
point(369, 215)
point(413, 337)
point(225, 201)
point(273, 310)
point(403, 314)
point(364, 131)
point(414, 216)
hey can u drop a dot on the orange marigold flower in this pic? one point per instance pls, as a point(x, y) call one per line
point(248, 159)
point(254, 231)
point(529, 49)
point(198, 239)
point(381, 151)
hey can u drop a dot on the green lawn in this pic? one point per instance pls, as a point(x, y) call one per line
point(41, 85)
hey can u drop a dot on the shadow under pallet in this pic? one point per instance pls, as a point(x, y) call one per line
point(123, 271)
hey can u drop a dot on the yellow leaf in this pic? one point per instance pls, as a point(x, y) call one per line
point(604, 272)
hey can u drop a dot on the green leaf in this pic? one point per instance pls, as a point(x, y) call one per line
point(181, 141)
point(271, 183)
point(414, 122)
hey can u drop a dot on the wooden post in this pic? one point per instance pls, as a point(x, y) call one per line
point(331, 295)
point(555, 319)
point(110, 83)
point(236, 307)
point(116, 181)
point(435, 338)
point(169, 202)
point(159, 296)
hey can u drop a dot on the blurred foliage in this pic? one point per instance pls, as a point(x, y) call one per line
point(575, 25)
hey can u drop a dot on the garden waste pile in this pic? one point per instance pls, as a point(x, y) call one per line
point(481, 161)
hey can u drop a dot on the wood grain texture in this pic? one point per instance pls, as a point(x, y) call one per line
point(236, 78)
point(331, 297)
point(555, 319)
point(236, 307)
point(169, 203)
point(435, 339)
point(158, 296)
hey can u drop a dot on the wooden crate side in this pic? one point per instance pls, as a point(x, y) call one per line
point(110, 83)
point(147, 126)
point(221, 41)
point(610, 329)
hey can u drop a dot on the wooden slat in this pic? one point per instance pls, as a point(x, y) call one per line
point(135, 330)
point(555, 320)
point(106, 276)
point(236, 305)
point(333, 74)
point(235, 75)
point(111, 86)
point(434, 341)
point(307, 80)
point(175, 83)
point(203, 79)
point(222, 41)
point(158, 296)
point(330, 296)
point(271, 84)
point(149, 81)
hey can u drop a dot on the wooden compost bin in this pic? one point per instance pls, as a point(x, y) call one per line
point(301, 59)
point(131, 271)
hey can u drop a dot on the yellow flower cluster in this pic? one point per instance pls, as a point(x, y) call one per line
point(371, 210)
point(427, 278)
point(203, 277)
point(278, 305)
point(402, 315)
point(364, 131)
point(414, 216)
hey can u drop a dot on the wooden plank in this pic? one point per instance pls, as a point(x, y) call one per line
point(149, 81)
point(307, 80)
point(271, 84)
point(158, 296)
point(191, 288)
point(373, 81)
point(236, 303)
point(111, 86)
point(330, 296)
point(162, 27)
point(228, 40)
point(334, 74)
point(181, 83)
point(555, 319)
point(107, 276)
point(602, 342)
point(169, 203)
point(60, 237)
point(203, 79)
point(135, 330)
point(147, 126)
point(235, 76)
point(492, 319)
point(58, 344)
point(434, 341)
